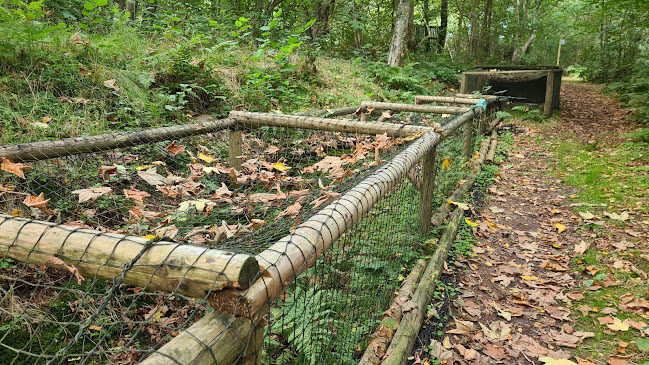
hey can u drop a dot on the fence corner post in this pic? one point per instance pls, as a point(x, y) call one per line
point(235, 149)
point(429, 169)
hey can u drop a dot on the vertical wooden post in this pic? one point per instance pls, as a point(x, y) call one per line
point(481, 124)
point(235, 150)
point(364, 117)
point(429, 169)
point(549, 88)
point(463, 83)
point(255, 350)
point(467, 147)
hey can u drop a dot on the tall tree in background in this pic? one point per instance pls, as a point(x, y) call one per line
point(443, 25)
point(400, 35)
point(322, 10)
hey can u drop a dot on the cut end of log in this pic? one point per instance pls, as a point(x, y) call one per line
point(231, 301)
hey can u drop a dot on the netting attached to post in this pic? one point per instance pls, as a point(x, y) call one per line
point(241, 238)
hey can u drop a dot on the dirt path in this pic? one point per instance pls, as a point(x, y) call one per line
point(516, 299)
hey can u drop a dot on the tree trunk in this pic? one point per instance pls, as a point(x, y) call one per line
point(400, 36)
point(121, 4)
point(131, 7)
point(411, 27)
point(322, 11)
point(485, 31)
point(441, 34)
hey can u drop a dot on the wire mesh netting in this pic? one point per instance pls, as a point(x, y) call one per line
point(140, 235)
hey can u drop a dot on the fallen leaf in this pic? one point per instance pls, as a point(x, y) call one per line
point(207, 157)
point(291, 211)
point(495, 352)
point(502, 313)
point(581, 361)
point(38, 202)
point(94, 327)
point(551, 361)
point(446, 163)
point(280, 167)
point(496, 209)
point(587, 215)
point(13, 168)
point(90, 195)
point(152, 177)
point(470, 222)
point(55, 261)
point(581, 247)
point(463, 206)
point(135, 194)
point(113, 86)
point(462, 327)
point(560, 227)
point(619, 360)
point(619, 325)
point(175, 149)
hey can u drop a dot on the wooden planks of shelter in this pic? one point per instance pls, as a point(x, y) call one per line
point(535, 85)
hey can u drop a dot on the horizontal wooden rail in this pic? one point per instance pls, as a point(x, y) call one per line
point(477, 96)
point(71, 146)
point(425, 99)
point(165, 266)
point(328, 113)
point(292, 255)
point(326, 124)
point(217, 338)
point(415, 108)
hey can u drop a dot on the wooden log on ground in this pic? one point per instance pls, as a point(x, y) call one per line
point(492, 148)
point(326, 124)
point(71, 146)
point(404, 338)
point(380, 339)
point(494, 124)
point(164, 266)
point(217, 338)
point(292, 255)
point(415, 108)
point(445, 208)
point(425, 99)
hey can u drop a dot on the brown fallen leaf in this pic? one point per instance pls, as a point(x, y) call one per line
point(581, 361)
point(495, 352)
point(462, 327)
point(291, 211)
point(55, 261)
point(135, 194)
point(175, 149)
point(38, 202)
point(619, 360)
point(13, 168)
point(90, 195)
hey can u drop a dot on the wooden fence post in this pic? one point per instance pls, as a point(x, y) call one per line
point(467, 147)
point(429, 169)
point(256, 344)
point(549, 93)
point(235, 150)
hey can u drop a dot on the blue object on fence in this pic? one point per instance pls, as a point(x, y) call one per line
point(482, 103)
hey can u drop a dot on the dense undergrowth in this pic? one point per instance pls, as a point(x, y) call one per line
point(65, 79)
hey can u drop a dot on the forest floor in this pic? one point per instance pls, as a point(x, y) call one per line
point(561, 266)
